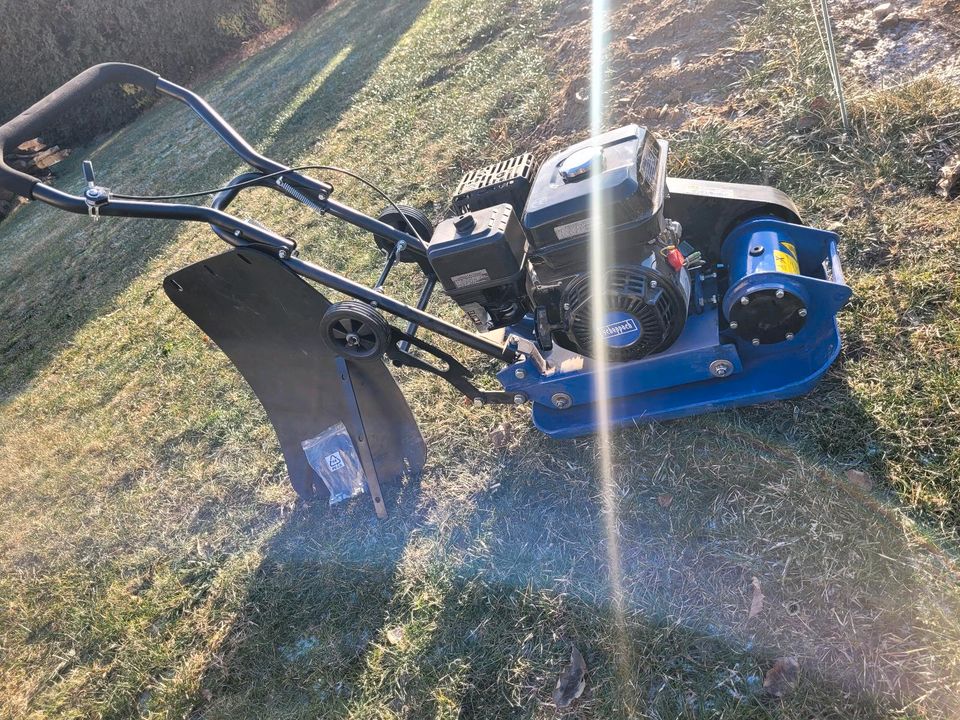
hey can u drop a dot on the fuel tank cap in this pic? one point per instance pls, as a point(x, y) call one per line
point(577, 165)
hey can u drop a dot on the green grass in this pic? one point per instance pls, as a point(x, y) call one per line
point(155, 563)
point(890, 404)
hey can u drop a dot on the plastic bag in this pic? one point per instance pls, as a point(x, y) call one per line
point(332, 456)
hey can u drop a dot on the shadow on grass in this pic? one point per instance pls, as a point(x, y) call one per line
point(469, 606)
point(50, 288)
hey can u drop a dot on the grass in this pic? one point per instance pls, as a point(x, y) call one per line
point(889, 405)
point(154, 561)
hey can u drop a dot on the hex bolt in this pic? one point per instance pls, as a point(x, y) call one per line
point(779, 294)
point(734, 325)
point(721, 368)
point(281, 253)
point(566, 306)
point(520, 373)
point(477, 402)
point(756, 341)
point(561, 400)
point(802, 312)
point(744, 300)
point(789, 336)
point(519, 399)
point(653, 283)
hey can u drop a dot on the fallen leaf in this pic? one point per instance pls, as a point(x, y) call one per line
point(395, 635)
point(572, 680)
point(782, 677)
point(501, 435)
point(808, 122)
point(756, 604)
point(820, 105)
point(665, 500)
point(860, 479)
point(949, 178)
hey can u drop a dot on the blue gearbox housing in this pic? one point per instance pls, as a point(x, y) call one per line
point(717, 296)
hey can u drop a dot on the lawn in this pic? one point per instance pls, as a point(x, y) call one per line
point(155, 562)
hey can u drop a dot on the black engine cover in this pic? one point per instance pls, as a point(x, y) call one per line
point(633, 179)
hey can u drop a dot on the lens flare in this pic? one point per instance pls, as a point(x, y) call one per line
point(599, 263)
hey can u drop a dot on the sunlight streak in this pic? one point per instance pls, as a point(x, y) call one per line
point(599, 262)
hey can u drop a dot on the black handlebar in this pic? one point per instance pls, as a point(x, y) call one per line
point(27, 124)
point(231, 229)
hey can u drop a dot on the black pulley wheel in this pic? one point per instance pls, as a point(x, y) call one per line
point(354, 330)
point(408, 220)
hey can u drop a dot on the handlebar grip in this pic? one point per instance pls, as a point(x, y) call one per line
point(27, 124)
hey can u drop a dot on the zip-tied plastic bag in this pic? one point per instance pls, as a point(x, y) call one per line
point(332, 456)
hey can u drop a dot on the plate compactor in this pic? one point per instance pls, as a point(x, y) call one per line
point(717, 295)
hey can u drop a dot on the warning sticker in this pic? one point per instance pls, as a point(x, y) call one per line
point(785, 259)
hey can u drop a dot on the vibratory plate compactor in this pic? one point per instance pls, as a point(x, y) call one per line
point(717, 294)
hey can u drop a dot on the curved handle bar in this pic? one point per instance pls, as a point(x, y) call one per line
point(28, 123)
point(229, 228)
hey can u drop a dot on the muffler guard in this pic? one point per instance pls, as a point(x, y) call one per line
point(265, 318)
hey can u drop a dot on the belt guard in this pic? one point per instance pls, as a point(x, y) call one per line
point(265, 319)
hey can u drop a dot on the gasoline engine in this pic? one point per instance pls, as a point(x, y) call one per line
point(709, 278)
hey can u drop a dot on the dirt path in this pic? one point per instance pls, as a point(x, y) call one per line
point(887, 42)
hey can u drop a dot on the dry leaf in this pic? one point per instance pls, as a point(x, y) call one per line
point(949, 178)
point(756, 604)
point(782, 677)
point(665, 500)
point(501, 435)
point(820, 105)
point(860, 479)
point(572, 680)
point(395, 635)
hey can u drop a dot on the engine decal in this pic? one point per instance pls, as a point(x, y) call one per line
point(621, 329)
point(578, 227)
point(471, 278)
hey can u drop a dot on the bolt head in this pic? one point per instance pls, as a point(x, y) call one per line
point(520, 373)
point(561, 400)
point(802, 312)
point(789, 336)
point(653, 283)
point(721, 368)
point(478, 402)
point(566, 306)
point(779, 294)
point(744, 300)
point(755, 341)
point(281, 254)
point(734, 325)
point(519, 399)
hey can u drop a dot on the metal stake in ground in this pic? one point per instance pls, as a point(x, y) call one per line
point(831, 52)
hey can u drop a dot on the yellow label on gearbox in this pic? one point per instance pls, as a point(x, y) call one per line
point(786, 259)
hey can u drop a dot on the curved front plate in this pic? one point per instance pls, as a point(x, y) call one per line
point(265, 318)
